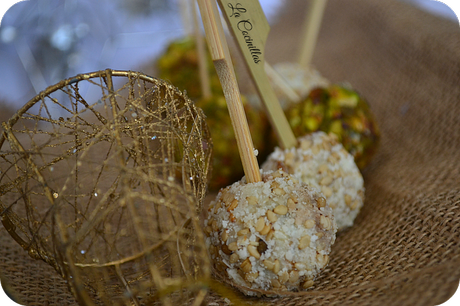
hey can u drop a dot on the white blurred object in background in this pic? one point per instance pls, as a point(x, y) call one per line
point(44, 41)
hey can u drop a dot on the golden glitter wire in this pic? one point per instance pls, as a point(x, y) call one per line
point(106, 188)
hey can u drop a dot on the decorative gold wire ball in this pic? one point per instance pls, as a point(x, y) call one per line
point(102, 177)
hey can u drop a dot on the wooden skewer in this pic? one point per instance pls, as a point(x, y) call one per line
point(250, 29)
point(186, 17)
point(220, 54)
point(205, 83)
point(277, 79)
point(311, 29)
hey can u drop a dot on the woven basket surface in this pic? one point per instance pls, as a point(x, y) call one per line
point(404, 248)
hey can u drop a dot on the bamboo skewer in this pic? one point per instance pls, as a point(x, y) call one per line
point(186, 17)
point(221, 57)
point(310, 34)
point(277, 79)
point(205, 83)
point(311, 29)
point(250, 29)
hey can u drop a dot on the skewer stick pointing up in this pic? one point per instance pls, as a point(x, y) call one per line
point(221, 57)
point(311, 29)
point(250, 29)
point(205, 83)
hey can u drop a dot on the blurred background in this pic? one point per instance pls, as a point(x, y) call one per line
point(45, 41)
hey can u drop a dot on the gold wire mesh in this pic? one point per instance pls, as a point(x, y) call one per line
point(102, 176)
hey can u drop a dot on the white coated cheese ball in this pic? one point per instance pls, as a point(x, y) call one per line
point(301, 80)
point(271, 235)
point(322, 162)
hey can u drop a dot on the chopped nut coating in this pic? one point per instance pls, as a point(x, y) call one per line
point(304, 242)
point(266, 229)
point(310, 223)
point(233, 246)
point(325, 222)
point(253, 243)
point(321, 202)
point(243, 232)
point(214, 226)
point(234, 258)
point(233, 205)
point(251, 277)
point(260, 224)
point(327, 191)
point(281, 210)
point(322, 259)
point(308, 284)
point(246, 266)
point(227, 197)
point(326, 165)
point(275, 283)
point(262, 247)
point(327, 180)
point(270, 234)
point(277, 266)
point(284, 277)
point(226, 250)
point(253, 251)
point(252, 200)
point(271, 216)
point(269, 264)
point(290, 204)
point(294, 276)
point(224, 236)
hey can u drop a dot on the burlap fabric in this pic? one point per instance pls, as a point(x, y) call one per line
point(404, 247)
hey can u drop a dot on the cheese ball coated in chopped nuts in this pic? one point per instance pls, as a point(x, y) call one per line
point(322, 162)
point(271, 235)
point(302, 80)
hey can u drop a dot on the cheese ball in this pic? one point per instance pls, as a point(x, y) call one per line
point(271, 235)
point(322, 162)
point(301, 80)
point(327, 107)
point(339, 110)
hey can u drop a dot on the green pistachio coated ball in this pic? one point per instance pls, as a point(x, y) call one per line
point(343, 112)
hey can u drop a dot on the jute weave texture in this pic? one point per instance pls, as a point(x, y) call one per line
point(404, 248)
